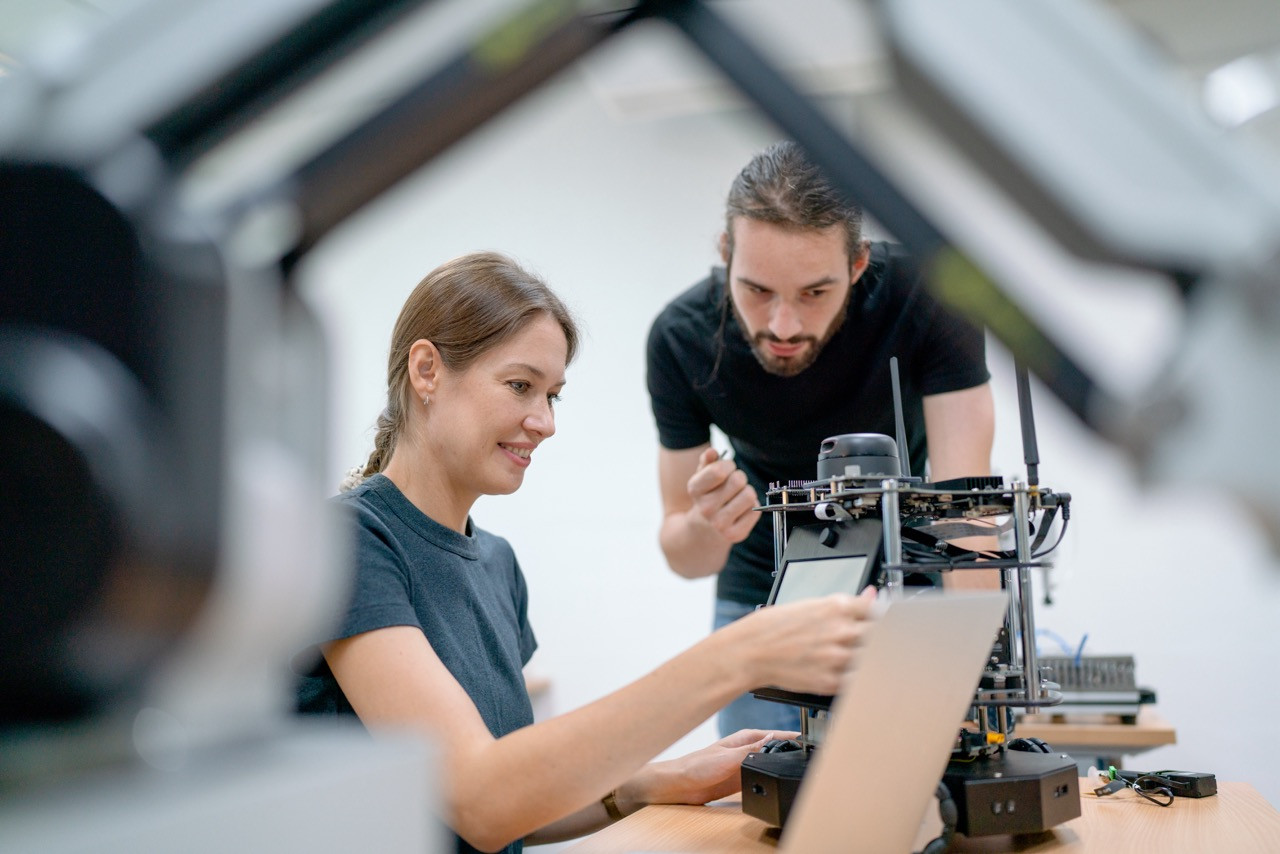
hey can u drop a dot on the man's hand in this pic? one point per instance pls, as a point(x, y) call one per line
point(706, 508)
point(722, 498)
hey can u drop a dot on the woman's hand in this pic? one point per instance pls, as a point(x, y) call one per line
point(705, 775)
point(805, 646)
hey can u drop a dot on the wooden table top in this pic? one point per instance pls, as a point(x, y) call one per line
point(1237, 819)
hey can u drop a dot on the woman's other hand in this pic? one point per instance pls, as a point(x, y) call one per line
point(699, 777)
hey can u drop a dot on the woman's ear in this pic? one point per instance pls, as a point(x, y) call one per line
point(424, 368)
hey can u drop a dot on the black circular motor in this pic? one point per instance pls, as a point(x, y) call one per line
point(858, 455)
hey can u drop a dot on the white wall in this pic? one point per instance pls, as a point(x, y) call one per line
point(621, 216)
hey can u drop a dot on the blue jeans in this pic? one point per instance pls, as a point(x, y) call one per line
point(746, 712)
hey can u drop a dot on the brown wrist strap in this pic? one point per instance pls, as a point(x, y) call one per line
point(611, 806)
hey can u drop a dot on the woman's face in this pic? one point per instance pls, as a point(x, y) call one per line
point(487, 421)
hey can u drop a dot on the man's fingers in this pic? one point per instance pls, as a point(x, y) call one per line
point(738, 513)
point(709, 477)
point(740, 501)
point(718, 480)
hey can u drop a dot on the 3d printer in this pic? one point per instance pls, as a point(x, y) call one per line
point(873, 523)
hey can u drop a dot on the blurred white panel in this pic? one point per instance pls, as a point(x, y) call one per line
point(829, 47)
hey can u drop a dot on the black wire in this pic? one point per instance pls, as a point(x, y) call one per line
point(950, 816)
point(924, 556)
point(1062, 532)
point(1154, 789)
point(933, 557)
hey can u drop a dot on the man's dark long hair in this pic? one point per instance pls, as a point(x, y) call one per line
point(781, 186)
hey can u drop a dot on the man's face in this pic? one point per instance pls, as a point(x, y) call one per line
point(790, 289)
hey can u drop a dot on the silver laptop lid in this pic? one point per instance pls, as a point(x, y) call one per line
point(893, 725)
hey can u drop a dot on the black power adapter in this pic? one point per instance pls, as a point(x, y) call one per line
point(1183, 784)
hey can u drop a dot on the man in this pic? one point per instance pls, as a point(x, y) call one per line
point(786, 345)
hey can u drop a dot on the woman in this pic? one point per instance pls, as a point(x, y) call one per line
point(436, 634)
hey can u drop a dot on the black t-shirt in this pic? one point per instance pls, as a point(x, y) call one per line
point(466, 593)
point(701, 371)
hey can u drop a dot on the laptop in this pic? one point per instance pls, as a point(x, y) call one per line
point(893, 724)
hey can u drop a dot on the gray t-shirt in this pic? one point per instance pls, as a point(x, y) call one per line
point(466, 593)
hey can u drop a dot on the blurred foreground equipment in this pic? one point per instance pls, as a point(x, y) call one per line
point(162, 400)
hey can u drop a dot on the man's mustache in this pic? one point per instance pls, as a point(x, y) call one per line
point(799, 339)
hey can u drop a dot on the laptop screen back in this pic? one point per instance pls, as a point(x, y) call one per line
point(893, 725)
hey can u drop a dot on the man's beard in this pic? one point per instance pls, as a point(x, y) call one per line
point(789, 366)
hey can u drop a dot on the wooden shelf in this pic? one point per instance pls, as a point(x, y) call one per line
point(1102, 734)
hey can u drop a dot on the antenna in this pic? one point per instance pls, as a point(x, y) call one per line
point(1030, 452)
point(904, 453)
